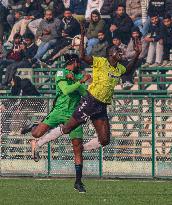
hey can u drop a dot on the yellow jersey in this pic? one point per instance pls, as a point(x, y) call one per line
point(105, 78)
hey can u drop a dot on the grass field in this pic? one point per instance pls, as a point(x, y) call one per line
point(105, 192)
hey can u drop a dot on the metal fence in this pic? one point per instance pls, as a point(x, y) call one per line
point(141, 141)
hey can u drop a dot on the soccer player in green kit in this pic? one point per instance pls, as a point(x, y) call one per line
point(69, 89)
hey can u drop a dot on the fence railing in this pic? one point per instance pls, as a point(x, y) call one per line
point(141, 140)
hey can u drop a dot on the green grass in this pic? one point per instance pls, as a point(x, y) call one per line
point(105, 192)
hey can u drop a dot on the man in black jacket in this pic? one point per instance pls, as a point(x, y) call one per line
point(167, 39)
point(122, 24)
point(29, 50)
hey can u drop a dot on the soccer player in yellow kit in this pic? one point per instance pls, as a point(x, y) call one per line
point(93, 106)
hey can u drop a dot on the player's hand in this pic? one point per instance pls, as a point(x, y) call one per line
point(86, 78)
point(70, 76)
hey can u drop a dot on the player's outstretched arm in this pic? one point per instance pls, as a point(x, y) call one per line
point(87, 59)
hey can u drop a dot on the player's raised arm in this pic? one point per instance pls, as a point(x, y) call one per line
point(87, 59)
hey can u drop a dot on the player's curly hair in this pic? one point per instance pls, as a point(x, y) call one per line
point(70, 58)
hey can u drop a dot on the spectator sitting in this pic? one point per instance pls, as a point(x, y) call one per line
point(3, 12)
point(59, 9)
point(101, 47)
point(78, 8)
point(97, 24)
point(47, 5)
point(14, 55)
point(66, 3)
point(149, 7)
point(122, 24)
point(169, 7)
point(134, 10)
point(14, 6)
point(30, 11)
point(116, 41)
point(48, 32)
point(136, 39)
point(70, 28)
point(92, 5)
point(155, 40)
point(29, 50)
point(167, 39)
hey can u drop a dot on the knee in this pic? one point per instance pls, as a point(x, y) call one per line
point(65, 130)
point(36, 134)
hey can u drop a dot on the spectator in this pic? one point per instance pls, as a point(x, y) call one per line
point(116, 41)
point(18, 111)
point(167, 39)
point(3, 12)
point(106, 10)
point(150, 7)
point(155, 40)
point(31, 10)
point(100, 48)
point(66, 3)
point(134, 10)
point(136, 39)
point(122, 24)
point(119, 2)
point(78, 8)
point(91, 6)
point(47, 5)
point(169, 7)
point(48, 32)
point(157, 7)
point(97, 24)
point(14, 6)
point(59, 9)
point(29, 50)
point(70, 28)
point(14, 55)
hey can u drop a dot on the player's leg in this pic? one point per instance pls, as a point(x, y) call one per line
point(103, 130)
point(77, 142)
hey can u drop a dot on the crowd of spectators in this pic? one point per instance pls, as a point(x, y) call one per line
point(30, 28)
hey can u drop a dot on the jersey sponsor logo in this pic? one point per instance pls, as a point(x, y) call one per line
point(113, 76)
point(59, 73)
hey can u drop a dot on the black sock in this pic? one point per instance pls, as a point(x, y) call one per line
point(78, 168)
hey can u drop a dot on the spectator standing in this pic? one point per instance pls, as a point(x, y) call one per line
point(101, 47)
point(96, 24)
point(78, 8)
point(121, 24)
point(155, 40)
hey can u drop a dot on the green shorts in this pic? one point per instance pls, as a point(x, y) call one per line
point(55, 118)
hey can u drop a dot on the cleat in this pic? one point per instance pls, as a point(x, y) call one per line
point(28, 128)
point(79, 187)
point(35, 152)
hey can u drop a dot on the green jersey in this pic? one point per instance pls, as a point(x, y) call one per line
point(68, 102)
